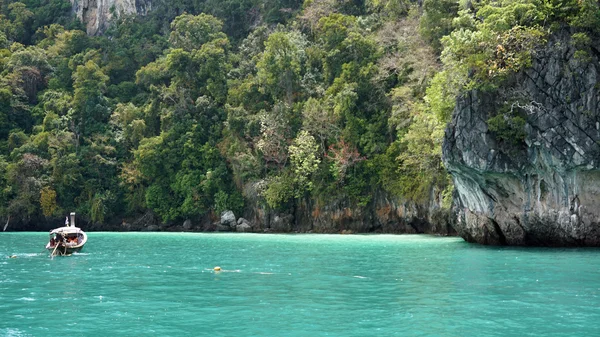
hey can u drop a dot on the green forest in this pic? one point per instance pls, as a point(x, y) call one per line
point(202, 105)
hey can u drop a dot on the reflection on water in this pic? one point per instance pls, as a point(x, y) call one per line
point(130, 284)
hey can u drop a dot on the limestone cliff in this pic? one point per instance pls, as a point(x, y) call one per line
point(543, 189)
point(96, 14)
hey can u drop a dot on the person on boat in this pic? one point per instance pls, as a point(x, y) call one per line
point(67, 221)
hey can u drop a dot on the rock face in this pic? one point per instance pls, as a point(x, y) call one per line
point(545, 189)
point(282, 223)
point(384, 214)
point(96, 14)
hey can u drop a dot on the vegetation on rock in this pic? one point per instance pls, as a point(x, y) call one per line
point(179, 110)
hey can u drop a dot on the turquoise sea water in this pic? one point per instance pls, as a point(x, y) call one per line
point(134, 284)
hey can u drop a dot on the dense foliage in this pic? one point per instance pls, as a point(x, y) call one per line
point(493, 39)
point(202, 105)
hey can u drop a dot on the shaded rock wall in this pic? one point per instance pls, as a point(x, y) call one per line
point(384, 214)
point(546, 189)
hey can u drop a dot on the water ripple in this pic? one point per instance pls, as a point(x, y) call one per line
point(130, 284)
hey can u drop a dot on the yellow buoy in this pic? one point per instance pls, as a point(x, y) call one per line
point(217, 268)
point(13, 256)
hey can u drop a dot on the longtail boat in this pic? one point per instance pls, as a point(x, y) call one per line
point(67, 239)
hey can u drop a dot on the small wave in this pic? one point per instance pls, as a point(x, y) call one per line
point(33, 254)
point(264, 273)
point(17, 255)
point(12, 332)
point(358, 276)
point(28, 299)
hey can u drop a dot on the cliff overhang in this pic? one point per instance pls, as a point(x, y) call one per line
point(540, 186)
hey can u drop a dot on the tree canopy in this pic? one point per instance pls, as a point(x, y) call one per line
point(179, 110)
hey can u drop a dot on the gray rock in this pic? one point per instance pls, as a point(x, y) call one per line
point(223, 228)
point(244, 227)
point(151, 228)
point(545, 190)
point(187, 224)
point(96, 15)
point(228, 219)
point(147, 219)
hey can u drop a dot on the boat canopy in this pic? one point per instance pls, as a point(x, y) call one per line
point(66, 230)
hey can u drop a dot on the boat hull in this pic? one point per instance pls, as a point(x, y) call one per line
point(62, 250)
